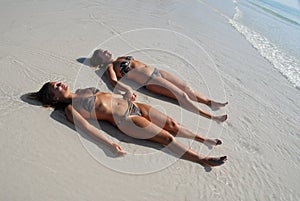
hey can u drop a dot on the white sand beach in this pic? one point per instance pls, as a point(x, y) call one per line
point(44, 158)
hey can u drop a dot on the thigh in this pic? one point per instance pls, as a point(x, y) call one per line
point(173, 79)
point(164, 87)
point(153, 115)
point(140, 128)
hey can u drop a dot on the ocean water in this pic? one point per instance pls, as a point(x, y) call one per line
point(273, 29)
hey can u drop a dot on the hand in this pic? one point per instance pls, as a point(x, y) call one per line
point(118, 151)
point(129, 95)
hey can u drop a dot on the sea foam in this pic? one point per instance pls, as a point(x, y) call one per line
point(287, 65)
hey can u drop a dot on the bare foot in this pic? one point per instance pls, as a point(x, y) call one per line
point(221, 118)
point(216, 105)
point(213, 161)
point(212, 142)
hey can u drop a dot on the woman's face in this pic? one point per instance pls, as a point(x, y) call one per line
point(105, 55)
point(60, 90)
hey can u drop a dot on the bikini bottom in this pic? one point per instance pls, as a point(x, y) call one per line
point(131, 110)
point(155, 73)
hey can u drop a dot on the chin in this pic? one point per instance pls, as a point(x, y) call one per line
point(109, 58)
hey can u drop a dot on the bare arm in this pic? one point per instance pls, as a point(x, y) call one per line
point(113, 80)
point(74, 117)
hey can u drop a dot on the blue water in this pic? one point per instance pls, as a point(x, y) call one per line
point(272, 28)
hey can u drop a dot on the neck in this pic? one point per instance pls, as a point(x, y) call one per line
point(109, 62)
point(69, 99)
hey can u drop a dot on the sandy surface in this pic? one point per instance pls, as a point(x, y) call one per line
point(44, 158)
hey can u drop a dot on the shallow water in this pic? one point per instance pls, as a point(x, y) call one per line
point(273, 29)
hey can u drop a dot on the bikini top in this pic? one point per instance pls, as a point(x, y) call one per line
point(89, 102)
point(125, 65)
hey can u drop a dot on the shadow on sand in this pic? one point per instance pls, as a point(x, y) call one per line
point(59, 116)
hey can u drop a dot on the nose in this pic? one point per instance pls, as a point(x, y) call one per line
point(107, 52)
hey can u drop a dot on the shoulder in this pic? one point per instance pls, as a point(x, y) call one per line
point(125, 58)
point(111, 66)
point(120, 58)
point(69, 113)
point(69, 108)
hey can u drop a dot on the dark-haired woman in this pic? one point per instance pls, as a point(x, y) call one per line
point(137, 120)
point(155, 80)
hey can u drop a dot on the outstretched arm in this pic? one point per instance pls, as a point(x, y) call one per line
point(113, 80)
point(74, 117)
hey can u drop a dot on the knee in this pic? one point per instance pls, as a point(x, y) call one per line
point(172, 125)
point(168, 139)
point(185, 96)
point(188, 89)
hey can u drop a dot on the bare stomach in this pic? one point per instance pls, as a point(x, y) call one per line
point(110, 108)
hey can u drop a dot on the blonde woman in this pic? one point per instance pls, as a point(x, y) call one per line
point(155, 80)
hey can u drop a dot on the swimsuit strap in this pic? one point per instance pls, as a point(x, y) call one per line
point(154, 73)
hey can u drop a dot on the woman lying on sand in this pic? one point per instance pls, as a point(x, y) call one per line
point(134, 119)
point(155, 80)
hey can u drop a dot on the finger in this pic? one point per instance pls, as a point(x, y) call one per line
point(120, 149)
point(123, 152)
point(117, 146)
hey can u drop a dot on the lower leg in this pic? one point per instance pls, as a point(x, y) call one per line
point(186, 133)
point(183, 99)
point(196, 96)
point(181, 131)
point(144, 129)
point(190, 155)
point(187, 104)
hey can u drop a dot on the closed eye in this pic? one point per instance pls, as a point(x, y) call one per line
point(58, 85)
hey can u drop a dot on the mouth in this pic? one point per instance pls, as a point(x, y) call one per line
point(65, 87)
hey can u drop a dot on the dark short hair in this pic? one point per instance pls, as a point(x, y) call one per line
point(44, 95)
